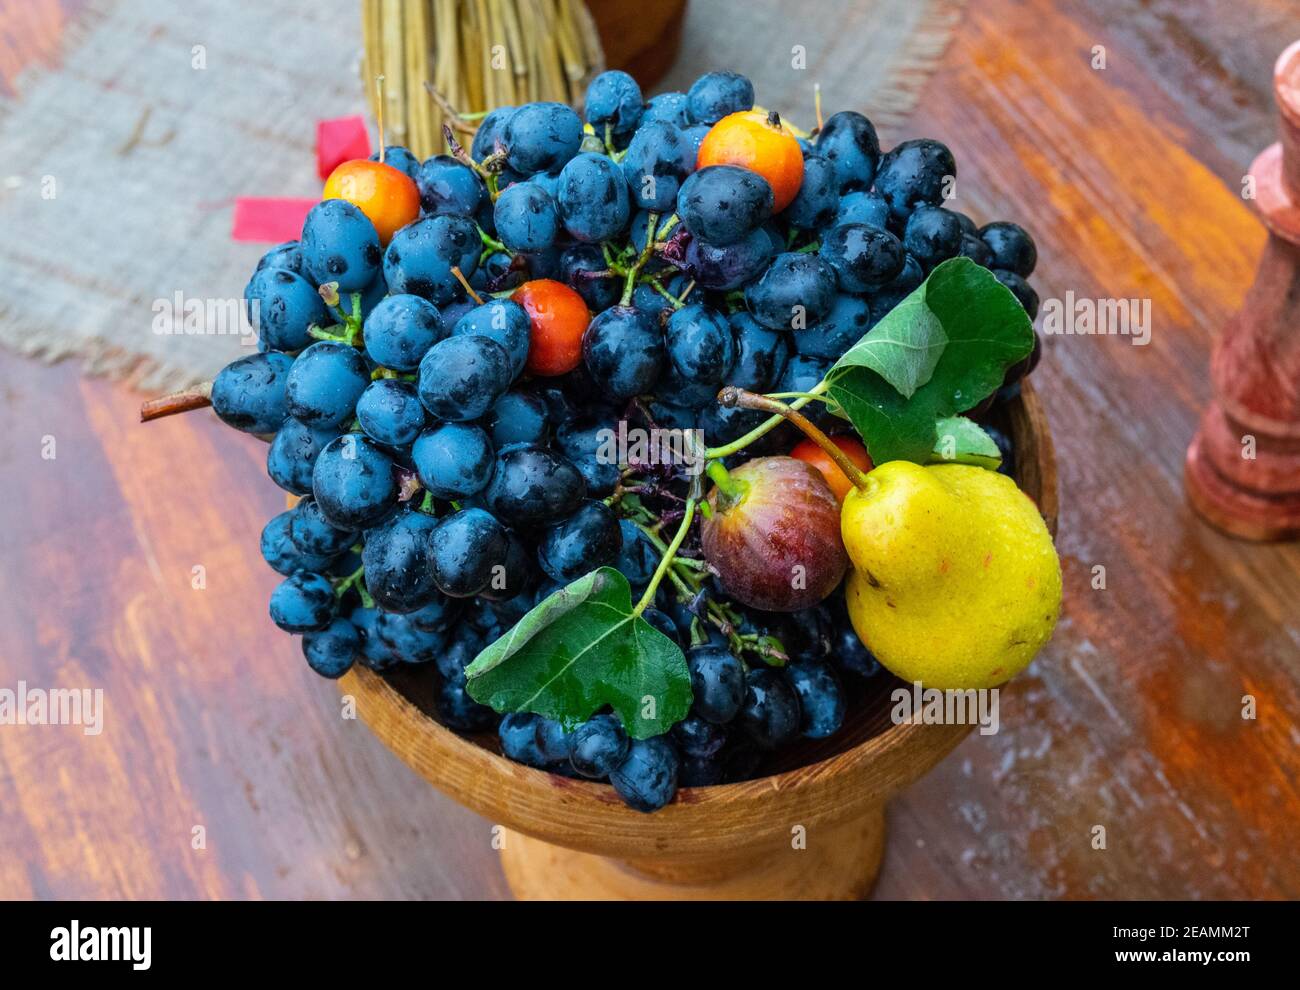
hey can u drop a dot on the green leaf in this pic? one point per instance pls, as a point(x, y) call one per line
point(963, 441)
point(987, 331)
point(581, 649)
point(903, 348)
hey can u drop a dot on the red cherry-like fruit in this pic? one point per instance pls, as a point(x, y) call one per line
point(774, 534)
point(557, 318)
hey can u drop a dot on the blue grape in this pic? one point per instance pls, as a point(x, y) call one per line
point(578, 264)
point(354, 483)
point(624, 351)
point(512, 582)
point(504, 321)
point(848, 141)
point(658, 160)
point(287, 255)
point(421, 255)
point(699, 737)
point(975, 249)
point(723, 203)
point(373, 652)
point(821, 698)
point(367, 299)
point(453, 460)
point(913, 173)
point(526, 217)
point(541, 137)
point(598, 746)
point(802, 373)
point(325, 383)
point(467, 545)
point(841, 328)
point(292, 454)
point(407, 641)
point(517, 417)
point(860, 206)
point(863, 258)
point(613, 98)
point(729, 266)
point(1020, 288)
point(449, 186)
point(398, 558)
point(390, 413)
point(585, 541)
point(592, 198)
point(770, 713)
point(288, 306)
point(796, 291)
point(458, 710)
point(932, 235)
point(400, 331)
point(584, 443)
point(553, 740)
point(818, 198)
point(279, 551)
point(670, 108)
point(303, 602)
point(518, 735)
point(716, 94)
point(339, 244)
point(312, 533)
point(461, 377)
point(489, 131)
point(249, 393)
point(533, 486)
point(700, 346)
point(1012, 248)
point(760, 353)
point(638, 558)
point(717, 682)
point(330, 651)
point(400, 158)
point(647, 779)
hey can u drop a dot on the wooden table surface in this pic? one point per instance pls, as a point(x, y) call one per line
point(1131, 719)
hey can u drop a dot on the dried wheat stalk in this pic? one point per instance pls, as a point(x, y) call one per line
point(476, 55)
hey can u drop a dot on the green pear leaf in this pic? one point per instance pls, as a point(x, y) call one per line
point(963, 441)
point(987, 332)
point(583, 648)
point(904, 348)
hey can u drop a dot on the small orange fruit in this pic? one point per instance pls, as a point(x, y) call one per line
point(557, 318)
point(386, 195)
point(759, 142)
point(807, 451)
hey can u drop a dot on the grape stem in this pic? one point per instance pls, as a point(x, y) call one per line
point(732, 396)
point(464, 283)
point(341, 588)
point(641, 259)
point(666, 561)
point(765, 427)
point(456, 118)
point(195, 397)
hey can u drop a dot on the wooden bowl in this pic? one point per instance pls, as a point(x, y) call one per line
point(814, 828)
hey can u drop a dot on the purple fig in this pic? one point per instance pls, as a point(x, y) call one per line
point(773, 534)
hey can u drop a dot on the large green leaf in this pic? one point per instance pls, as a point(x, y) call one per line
point(987, 331)
point(904, 348)
point(583, 648)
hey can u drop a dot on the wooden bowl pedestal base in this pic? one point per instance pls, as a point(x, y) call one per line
point(829, 863)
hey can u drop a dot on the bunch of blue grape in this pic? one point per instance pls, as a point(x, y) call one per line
point(445, 490)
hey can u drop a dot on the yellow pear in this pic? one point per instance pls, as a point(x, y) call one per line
point(955, 581)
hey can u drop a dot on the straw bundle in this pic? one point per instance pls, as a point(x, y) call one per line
point(476, 55)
